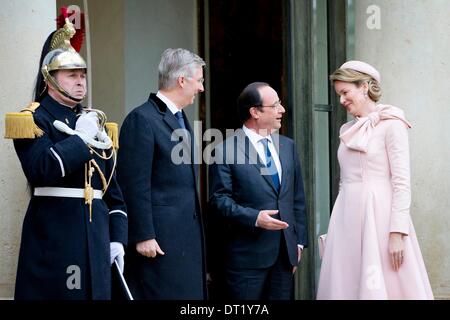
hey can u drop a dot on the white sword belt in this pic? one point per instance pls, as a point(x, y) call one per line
point(65, 192)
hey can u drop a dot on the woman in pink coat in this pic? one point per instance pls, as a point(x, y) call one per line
point(371, 249)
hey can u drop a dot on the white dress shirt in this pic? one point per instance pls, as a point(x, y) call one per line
point(255, 139)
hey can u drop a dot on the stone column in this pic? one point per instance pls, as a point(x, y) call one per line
point(408, 41)
point(24, 26)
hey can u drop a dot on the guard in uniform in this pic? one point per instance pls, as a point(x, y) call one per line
point(76, 222)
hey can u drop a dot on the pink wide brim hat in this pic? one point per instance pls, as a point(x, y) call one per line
point(362, 67)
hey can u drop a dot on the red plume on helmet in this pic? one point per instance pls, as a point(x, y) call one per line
point(78, 38)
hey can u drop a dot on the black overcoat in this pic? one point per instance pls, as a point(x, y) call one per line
point(162, 200)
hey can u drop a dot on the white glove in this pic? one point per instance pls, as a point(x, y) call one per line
point(61, 126)
point(103, 137)
point(117, 252)
point(87, 123)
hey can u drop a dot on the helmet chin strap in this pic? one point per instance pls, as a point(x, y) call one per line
point(67, 95)
point(48, 77)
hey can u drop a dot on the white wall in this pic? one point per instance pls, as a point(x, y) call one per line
point(150, 28)
point(24, 26)
point(412, 50)
point(106, 28)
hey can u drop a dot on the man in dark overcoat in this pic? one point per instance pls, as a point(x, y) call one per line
point(158, 175)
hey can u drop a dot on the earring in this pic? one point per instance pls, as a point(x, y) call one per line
point(365, 95)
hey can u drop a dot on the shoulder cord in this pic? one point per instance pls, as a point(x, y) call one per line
point(89, 171)
point(102, 176)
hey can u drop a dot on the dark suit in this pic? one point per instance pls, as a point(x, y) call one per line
point(163, 204)
point(238, 192)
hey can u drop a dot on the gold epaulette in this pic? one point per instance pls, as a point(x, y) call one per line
point(20, 125)
point(113, 132)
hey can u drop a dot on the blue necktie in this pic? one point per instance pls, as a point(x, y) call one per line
point(270, 164)
point(180, 119)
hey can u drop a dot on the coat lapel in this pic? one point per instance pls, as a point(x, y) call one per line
point(194, 146)
point(170, 119)
point(168, 116)
point(283, 155)
point(252, 156)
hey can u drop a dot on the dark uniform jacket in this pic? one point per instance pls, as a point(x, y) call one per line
point(62, 254)
point(162, 202)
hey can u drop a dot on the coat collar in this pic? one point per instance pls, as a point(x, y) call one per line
point(61, 112)
point(168, 116)
point(171, 121)
point(358, 135)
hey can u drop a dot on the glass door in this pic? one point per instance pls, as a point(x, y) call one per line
point(321, 136)
point(318, 42)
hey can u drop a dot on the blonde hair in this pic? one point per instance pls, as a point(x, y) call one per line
point(358, 78)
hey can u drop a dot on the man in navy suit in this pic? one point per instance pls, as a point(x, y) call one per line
point(166, 239)
point(256, 189)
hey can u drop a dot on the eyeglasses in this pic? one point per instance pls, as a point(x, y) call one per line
point(201, 80)
point(276, 105)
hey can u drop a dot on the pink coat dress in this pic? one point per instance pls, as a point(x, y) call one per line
point(374, 200)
